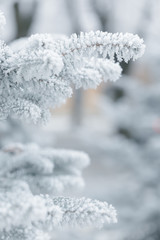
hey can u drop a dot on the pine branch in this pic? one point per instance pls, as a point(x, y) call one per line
point(45, 170)
point(27, 215)
point(124, 46)
point(40, 74)
point(84, 212)
point(94, 71)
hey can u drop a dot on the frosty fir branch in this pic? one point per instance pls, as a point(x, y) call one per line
point(27, 171)
point(45, 170)
point(41, 73)
point(28, 211)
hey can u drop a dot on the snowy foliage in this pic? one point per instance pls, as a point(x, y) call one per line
point(45, 170)
point(79, 212)
point(28, 170)
point(28, 213)
point(40, 75)
point(21, 210)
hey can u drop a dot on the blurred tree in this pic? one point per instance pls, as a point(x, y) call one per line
point(24, 20)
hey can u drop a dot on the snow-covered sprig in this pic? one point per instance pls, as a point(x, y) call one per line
point(94, 72)
point(45, 170)
point(84, 212)
point(40, 74)
point(124, 46)
point(31, 216)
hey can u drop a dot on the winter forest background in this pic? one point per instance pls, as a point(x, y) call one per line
point(117, 124)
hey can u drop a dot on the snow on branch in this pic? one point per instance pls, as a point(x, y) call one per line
point(18, 207)
point(124, 46)
point(25, 214)
point(94, 72)
point(84, 212)
point(40, 74)
point(45, 170)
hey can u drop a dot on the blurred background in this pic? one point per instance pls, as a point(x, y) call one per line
point(118, 124)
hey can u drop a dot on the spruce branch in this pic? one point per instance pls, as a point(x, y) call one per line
point(94, 71)
point(45, 170)
point(33, 212)
point(124, 46)
point(40, 74)
point(81, 212)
